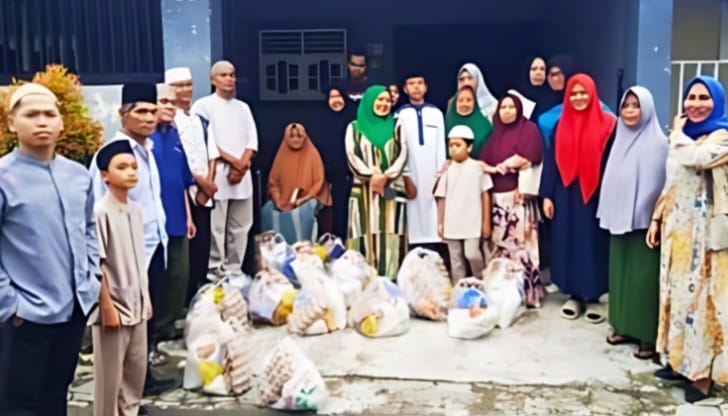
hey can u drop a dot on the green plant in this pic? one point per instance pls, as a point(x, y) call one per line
point(82, 136)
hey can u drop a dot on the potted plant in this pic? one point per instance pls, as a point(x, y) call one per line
point(82, 136)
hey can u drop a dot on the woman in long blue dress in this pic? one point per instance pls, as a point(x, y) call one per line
point(570, 182)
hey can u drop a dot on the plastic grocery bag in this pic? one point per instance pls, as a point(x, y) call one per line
point(270, 298)
point(289, 380)
point(276, 255)
point(504, 289)
point(205, 333)
point(351, 273)
point(469, 316)
point(380, 310)
point(333, 245)
point(425, 282)
point(319, 307)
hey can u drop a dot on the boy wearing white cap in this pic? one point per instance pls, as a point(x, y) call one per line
point(463, 205)
point(237, 140)
point(200, 147)
point(49, 260)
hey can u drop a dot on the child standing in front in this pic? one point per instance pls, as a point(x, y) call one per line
point(120, 332)
point(463, 205)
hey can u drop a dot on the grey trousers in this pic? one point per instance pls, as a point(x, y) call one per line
point(120, 367)
point(472, 254)
point(230, 223)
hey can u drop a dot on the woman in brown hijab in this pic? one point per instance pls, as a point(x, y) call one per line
point(297, 181)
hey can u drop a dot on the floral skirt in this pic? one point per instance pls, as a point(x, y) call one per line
point(515, 237)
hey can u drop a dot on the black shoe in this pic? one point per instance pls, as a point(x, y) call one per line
point(143, 411)
point(156, 386)
point(668, 376)
point(693, 394)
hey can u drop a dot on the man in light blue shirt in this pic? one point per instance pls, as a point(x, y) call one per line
point(48, 260)
point(138, 121)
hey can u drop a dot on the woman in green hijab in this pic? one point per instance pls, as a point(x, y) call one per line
point(377, 206)
point(462, 111)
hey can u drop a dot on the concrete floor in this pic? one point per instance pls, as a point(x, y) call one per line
point(542, 365)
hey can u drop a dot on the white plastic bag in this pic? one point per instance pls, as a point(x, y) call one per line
point(270, 298)
point(351, 273)
point(289, 380)
point(319, 307)
point(205, 333)
point(469, 316)
point(471, 323)
point(425, 283)
point(276, 255)
point(380, 311)
point(504, 289)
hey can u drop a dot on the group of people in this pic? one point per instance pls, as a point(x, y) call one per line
point(550, 169)
point(167, 205)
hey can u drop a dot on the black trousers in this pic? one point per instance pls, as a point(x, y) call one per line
point(199, 249)
point(37, 364)
point(340, 192)
point(157, 276)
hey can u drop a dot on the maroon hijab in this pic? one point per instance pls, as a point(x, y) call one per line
point(520, 137)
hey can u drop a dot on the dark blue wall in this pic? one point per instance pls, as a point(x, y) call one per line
point(499, 36)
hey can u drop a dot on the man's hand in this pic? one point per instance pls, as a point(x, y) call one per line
point(16, 321)
point(110, 317)
point(207, 186)
point(548, 208)
point(201, 198)
point(234, 176)
point(191, 230)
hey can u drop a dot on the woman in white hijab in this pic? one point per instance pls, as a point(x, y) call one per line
point(470, 75)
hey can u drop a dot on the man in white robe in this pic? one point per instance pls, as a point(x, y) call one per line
point(423, 126)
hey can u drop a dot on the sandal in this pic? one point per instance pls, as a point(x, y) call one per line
point(571, 309)
point(619, 339)
point(595, 313)
point(693, 394)
point(645, 352)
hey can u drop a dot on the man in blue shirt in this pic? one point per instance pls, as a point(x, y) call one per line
point(175, 177)
point(138, 121)
point(48, 260)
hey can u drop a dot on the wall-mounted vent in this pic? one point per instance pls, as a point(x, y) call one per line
point(300, 64)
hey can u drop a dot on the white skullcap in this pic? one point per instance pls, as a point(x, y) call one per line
point(30, 88)
point(177, 74)
point(464, 132)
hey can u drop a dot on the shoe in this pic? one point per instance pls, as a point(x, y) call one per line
point(158, 358)
point(668, 376)
point(143, 411)
point(155, 386)
point(693, 394)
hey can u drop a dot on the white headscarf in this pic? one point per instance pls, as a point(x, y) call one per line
point(487, 102)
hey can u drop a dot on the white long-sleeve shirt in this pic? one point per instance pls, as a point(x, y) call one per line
point(234, 130)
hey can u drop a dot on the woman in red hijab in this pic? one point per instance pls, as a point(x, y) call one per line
point(571, 177)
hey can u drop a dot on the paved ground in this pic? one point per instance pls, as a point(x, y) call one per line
point(544, 365)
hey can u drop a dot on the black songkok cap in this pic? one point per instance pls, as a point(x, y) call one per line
point(135, 92)
point(111, 149)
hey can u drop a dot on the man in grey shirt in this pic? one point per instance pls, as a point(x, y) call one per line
point(48, 260)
